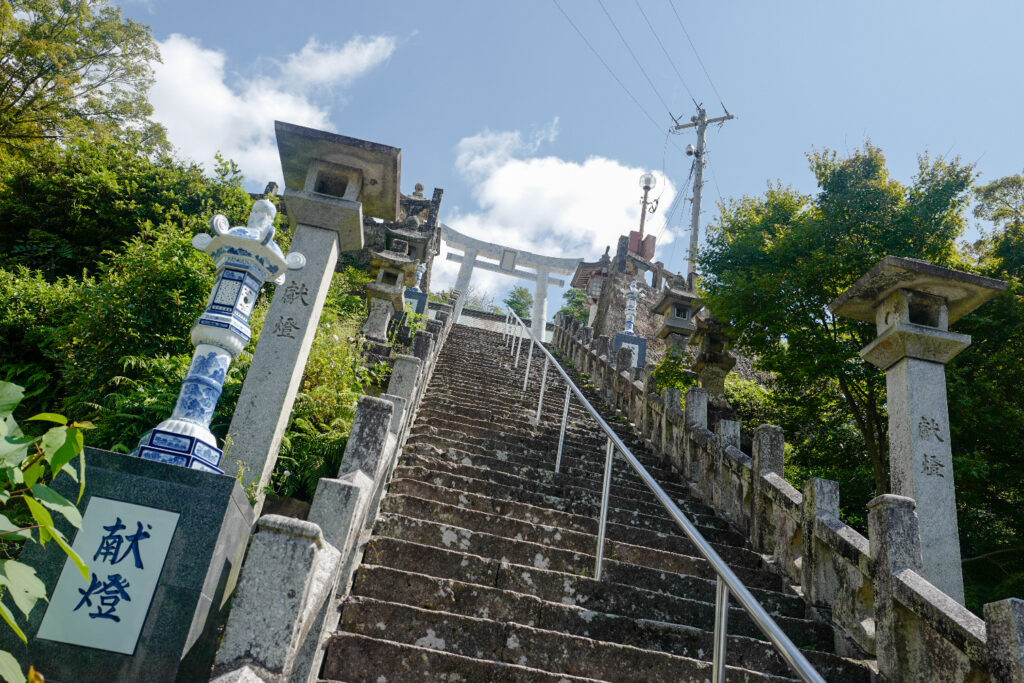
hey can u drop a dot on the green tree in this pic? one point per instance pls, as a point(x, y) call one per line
point(575, 305)
point(986, 413)
point(520, 300)
point(774, 263)
point(70, 68)
point(65, 206)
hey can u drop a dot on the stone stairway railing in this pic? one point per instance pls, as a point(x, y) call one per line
point(870, 586)
point(296, 571)
point(728, 583)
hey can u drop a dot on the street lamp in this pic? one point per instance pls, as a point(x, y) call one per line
point(647, 181)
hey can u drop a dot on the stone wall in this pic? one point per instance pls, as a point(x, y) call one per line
point(869, 588)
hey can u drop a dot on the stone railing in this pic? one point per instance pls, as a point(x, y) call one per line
point(296, 571)
point(870, 588)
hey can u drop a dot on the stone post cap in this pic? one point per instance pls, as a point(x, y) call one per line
point(892, 500)
point(291, 527)
point(962, 291)
point(349, 168)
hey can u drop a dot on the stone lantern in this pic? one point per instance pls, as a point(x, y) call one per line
point(395, 271)
point(912, 303)
point(679, 307)
point(246, 257)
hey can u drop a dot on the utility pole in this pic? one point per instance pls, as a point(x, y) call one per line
point(700, 122)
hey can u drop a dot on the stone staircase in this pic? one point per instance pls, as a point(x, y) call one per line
point(480, 561)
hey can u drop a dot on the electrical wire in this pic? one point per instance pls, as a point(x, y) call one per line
point(608, 68)
point(671, 3)
point(663, 49)
point(633, 54)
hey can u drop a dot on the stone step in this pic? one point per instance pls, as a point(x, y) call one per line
point(636, 549)
point(585, 491)
point(541, 556)
point(590, 468)
point(653, 591)
point(525, 645)
point(354, 657)
point(536, 513)
point(684, 627)
point(588, 509)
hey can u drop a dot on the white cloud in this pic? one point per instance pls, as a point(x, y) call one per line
point(546, 204)
point(205, 113)
point(317, 64)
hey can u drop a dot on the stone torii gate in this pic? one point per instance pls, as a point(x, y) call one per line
point(507, 261)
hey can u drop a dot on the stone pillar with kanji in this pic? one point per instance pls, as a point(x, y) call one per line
point(329, 181)
point(912, 304)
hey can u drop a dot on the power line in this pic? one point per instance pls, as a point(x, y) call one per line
point(612, 73)
point(639, 65)
point(670, 60)
point(671, 4)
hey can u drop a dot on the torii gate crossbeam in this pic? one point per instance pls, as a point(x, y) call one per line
point(507, 260)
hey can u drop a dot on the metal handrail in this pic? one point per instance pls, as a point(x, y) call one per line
point(727, 581)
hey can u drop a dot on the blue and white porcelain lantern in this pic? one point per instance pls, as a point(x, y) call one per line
point(246, 258)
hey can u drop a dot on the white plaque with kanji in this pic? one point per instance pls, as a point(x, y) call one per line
point(125, 546)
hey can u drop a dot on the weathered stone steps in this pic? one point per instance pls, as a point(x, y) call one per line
point(479, 563)
point(680, 627)
point(525, 645)
point(633, 550)
point(618, 592)
point(355, 657)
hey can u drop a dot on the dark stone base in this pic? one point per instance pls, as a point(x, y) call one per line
point(182, 628)
point(640, 357)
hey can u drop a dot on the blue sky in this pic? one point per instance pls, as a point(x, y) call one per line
point(536, 145)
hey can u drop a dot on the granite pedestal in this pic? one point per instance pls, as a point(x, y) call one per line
point(178, 638)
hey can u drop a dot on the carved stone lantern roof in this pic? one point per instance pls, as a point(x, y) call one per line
point(963, 292)
point(679, 306)
point(396, 270)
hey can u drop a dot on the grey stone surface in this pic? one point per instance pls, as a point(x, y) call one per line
point(895, 546)
point(265, 404)
point(178, 638)
point(423, 345)
point(244, 674)
point(921, 465)
point(376, 325)
point(399, 403)
point(368, 438)
point(337, 505)
point(1005, 639)
point(289, 573)
point(405, 377)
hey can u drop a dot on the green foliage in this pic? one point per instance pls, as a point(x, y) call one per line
point(73, 68)
point(575, 305)
point(67, 209)
point(28, 464)
point(520, 300)
point(673, 372)
point(774, 263)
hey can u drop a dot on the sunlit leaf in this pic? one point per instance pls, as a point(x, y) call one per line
point(10, 397)
point(58, 503)
point(10, 670)
point(23, 585)
point(49, 417)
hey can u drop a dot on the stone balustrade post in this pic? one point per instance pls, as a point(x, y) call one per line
point(728, 432)
point(821, 501)
point(283, 597)
point(1004, 627)
point(695, 417)
point(895, 542)
point(673, 402)
point(768, 456)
